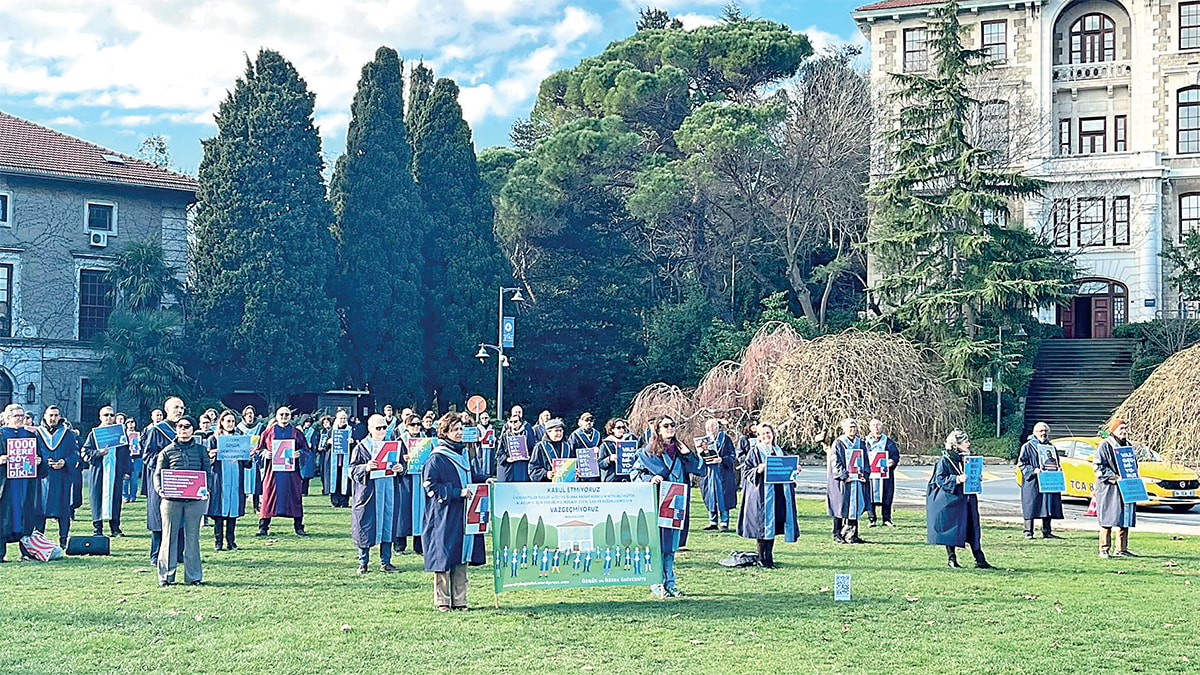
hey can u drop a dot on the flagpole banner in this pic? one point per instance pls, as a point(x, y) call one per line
point(574, 535)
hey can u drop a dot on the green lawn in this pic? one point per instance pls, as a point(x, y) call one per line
point(296, 606)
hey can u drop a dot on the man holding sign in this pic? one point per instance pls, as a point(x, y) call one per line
point(180, 479)
point(376, 494)
point(1037, 460)
point(1111, 508)
point(282, 486)
point(106, 452)
point(846, 483)
point(20, 496)
point(884, 456)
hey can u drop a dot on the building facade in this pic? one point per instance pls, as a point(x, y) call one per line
point(66, 208)
point(1100, 98)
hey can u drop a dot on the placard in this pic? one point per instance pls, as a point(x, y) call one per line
point(856, 463)
point(672, 505)
point(626, 456)
point(1048, 457)
point(479, 510)
point(22, 458)
point(518, 448)
point(1051, 481)
point(588, 465)
point(1133, 490)
point(283, 455)
point(879, 464)
point(973, 468)
point(564, 469)
point(419, 450)
point(180, 484)
point(488, 438)
point(387, 454)
point(233, 448)
point(781, 468)
point(135, 443)
point(1127, 463)
point(470, 434)
point(339, 441)
point(706, 447)
point(109, 436)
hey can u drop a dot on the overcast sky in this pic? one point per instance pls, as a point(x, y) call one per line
point(116, 71)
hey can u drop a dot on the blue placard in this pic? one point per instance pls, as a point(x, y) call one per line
point(973, 468)
point(508, 327)
point(1051, 481)
point(1127, 464)
point(781, 468)
point(1133, 490)
point(233, 448)
point(470, 434)
point(109, 436)
point(626, 456)
point(340, 441)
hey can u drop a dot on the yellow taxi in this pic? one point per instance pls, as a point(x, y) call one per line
point(1168, 484)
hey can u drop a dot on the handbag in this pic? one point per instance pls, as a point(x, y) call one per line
point(87, 545)
point(40, 547)
point(739, 559)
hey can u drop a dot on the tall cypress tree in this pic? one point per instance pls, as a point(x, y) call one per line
point(262, 314)
point(464, 264)
point(379, 215)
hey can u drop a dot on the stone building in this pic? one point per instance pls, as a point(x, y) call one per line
point(66, 207)
point(1101, 98)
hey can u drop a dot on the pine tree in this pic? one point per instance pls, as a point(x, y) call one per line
point(464, 264)
point(263, 317)
point(378, 231)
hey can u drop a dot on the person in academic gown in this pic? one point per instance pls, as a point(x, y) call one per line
point(227, 490)
point(877, 441)
point(107, 470)
point(586, 435)
point(335, 469)
point(481, 460)
point(154, 438)
point(428, 430)
point(550, 448)
point(448, 549)
point(252, 476)
point(514, 470)
point(718, 480)
point(312, 435)
point(62, 464)
point(282, 490)
point(666, 458)
point(768, 510)
point(406, 523)
point(20, 498)
point(539, 429)
point(952, 517)
point(846, 493)
point(373, 507)
point(617, 429)
point(1037, 455)
point(137, 466)
point(745, 443)
point(1111, 509)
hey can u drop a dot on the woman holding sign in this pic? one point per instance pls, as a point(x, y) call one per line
point(21, 470)
point(513, 448)
point(1111, 509)
point(542, 464)
point(227, 494)
point(952, 516)
point(180, 509)
point(768, 509)
point(1036, 456)
point(445, 481)
point(666, 459)
point(617, 430)
point(373, 510)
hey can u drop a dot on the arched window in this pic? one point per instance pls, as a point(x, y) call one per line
point(6, 389)
point(1093, 39)
point(1187, 120)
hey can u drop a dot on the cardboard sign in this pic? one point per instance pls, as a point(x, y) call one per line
point(419, 450)
point(479, 510)
point(487, 439)
point(518, 448)
point(781, 468)
point(233, 448)
point(672, 505)
point(109, 436)
point(588, 465)
point(973, 468)
point(626, 456)
point(339, 441)
point(283, 455)
point(564, 469)
point(135, 443)
point(1051, 481)
point(179, 484)
point(879, 464)
point(22, 458)
point(470, 434)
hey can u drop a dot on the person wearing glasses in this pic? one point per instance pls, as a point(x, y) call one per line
point(373, 510)
point(20, 498)
point(551, 447)
point(508, 469)
point(445, 483)
point(185, 453)
point(63, 461)
point(227, 491)
point(846, 483)
point(404, 498)
point(252, 426)
point(108, 468)
point(616, 430)
point(335, 469)
point(155, 437)
point(719, 480)
point(282, 486)
point(666, 458)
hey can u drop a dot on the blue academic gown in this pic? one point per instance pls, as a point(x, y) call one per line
point(335, 469)
point(541, 460)
point(106, 477)
point(376, 498)
point(846, 499)
point(768, 509)
point(154, 438)
point(513, 472)
point(251, 475)
point(951, 516)
point(676, 470)
point(608, 461)
point(718, 482)
point(227, 487)
point(62, 444)
point(444, 528)
point(21, 498)
point(586, 439)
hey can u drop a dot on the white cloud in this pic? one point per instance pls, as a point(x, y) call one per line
point(691, 21)
point(67, 121)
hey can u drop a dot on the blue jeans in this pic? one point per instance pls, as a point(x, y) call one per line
point(130, 488)
point(385, 554)
point(668, 570)
point(724, 514)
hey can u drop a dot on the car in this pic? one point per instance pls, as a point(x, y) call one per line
point(1168, 484)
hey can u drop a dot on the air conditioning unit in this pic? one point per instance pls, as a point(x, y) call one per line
point(98, 239)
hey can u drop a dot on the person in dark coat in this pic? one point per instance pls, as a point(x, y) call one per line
point(952, 517)
point(1111, 509)
point(20, 498)
point(445, 481)
point(155, 437)
point(745, 443)
point(107, 470)
point(883, 490)
point(768, 510)
point(718, 480)
point(845, 485)
point(666, 458)
point(335, 468)
point(281, 489)
point(1039, 455)
point(616, 429)
point(186, 453)
point(62, 464)
point(252, 426)
point(373, 506)
point(227, 491)
point(551, 447)
point(509, 470)
point(406, 522)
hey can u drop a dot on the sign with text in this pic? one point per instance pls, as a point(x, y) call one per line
point(706, 448)
point(179, 484)
point(626, 456)
point(672, 505)
point(339, 441)
point(588, 464)
point(470, 434)
point(856, 463)
point(109, 436)
point(564, 469)
point(973, 468)
point(479, 510)
point(1133, 490)
point(22, 458)
point(233, 448)
point(1127, 463)
point(518, 448)
point(1051, 481)
point(841, 587)
point(283, 455)
point(419, 450)
point(781, 468)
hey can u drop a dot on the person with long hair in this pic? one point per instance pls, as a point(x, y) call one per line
point(445, 481)
point(227, 493)
point(952, 516)
point(768, 509)
point(666, 458)
point(616, 430)
point(1111, 510)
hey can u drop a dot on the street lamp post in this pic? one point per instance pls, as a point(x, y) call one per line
point(501, 359)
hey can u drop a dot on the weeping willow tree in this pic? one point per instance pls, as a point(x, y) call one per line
point(949, 268)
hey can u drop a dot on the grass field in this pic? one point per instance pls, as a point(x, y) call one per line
point(296, 606)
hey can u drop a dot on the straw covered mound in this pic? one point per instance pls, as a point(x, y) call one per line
point(1160, 413)
point(861, 375)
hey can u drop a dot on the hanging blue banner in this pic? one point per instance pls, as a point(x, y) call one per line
point(508, 326)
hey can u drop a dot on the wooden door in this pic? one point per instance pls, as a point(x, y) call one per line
point(1101, 317)
point(1066, 318)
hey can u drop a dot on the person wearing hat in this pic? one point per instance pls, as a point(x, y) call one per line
point(1111, 509)
point(550, 448)
point(952, 517)
point(185, 453)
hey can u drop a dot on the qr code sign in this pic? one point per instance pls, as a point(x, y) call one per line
point(841, 587)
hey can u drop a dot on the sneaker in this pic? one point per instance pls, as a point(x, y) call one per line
point(839, 540)
point(711, 526)
point(389, 567)
point(659, 592)
point(163, 582)
point(218, 547)
point(1105, 555)
point(362, 569)
point(674, 592)
point(953, 562)
point(197, 582)
point(463, 608)
point(443, 608)
point(118, 533)
point(97, 533)
point(1029, 535)
point(888, 523)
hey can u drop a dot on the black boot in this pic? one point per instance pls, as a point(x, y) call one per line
point(980, 561)
point(952, 557)
point(300, 528)
point(263, 524)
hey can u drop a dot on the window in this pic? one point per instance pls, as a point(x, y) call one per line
point(89, 403)
point(1092, 135)
point(1120, 133)
point(995, 217)
point(1120, 221)
point(1187, 115)
point(95, 303)
point(5, 216)
point(1093, 39)
point(993, 130)
point(995, 40)
point(6, 389)
point(1064, 137)
point(101, 217)
point(6, 297)
point(916, 50)
point(1189, 214)
point(1091, 221)
point(1061, 214)
point(1189, 25)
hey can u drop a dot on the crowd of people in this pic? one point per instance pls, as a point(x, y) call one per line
point(389, 504)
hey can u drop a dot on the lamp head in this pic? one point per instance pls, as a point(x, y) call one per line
point(518, 297)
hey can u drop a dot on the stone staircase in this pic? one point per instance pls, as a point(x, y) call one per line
point(1077, 384)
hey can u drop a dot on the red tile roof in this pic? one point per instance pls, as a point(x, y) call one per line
point(32, 149)
point(896, 4)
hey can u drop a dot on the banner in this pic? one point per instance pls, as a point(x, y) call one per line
point(233, 448)
point(22, 458)
point(340, 441)
point(419, 450)
point(470, 434)
point(518, 448)
point(555, 535)
point(973, 467)
point(508, 328)
point(479, 510)
point(109, 436)
point(283, 455)
point(626, 456)
point(781, 468)
point(672, 505)
point(179, 484)
point(1051, 481)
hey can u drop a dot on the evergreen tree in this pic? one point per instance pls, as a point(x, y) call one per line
point(378, 230)
point(463, 262)
point(263, 317)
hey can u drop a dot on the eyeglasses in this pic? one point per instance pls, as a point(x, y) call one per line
point(668, 425)
point(620, 426)
point(384, 428)
point(183, 426)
